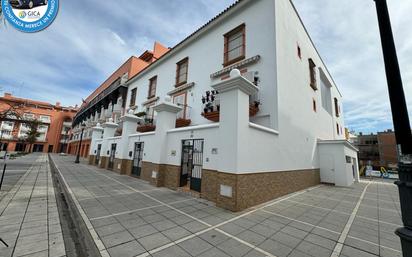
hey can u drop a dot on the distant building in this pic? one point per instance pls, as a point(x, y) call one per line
point(388, 152)
point(54, 129)
point(378, 150)
point(108, 101)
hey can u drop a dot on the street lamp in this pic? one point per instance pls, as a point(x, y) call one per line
point(83, 126)
point(401, 124)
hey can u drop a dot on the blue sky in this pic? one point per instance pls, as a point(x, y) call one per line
point(90, 39)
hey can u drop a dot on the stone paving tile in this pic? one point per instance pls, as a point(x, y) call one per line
point(153, 241)
point(30, 209)
point(129, 249)
point(307, 224)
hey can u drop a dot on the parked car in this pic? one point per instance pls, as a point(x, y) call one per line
point(26, 4)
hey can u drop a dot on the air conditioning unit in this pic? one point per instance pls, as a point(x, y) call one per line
point(252, 76)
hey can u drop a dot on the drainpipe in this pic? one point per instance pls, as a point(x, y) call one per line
point(401, 124)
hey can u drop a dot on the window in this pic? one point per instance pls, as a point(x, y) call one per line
point(337, 128)
point(235, 42)
point(152, 87)
point(336, 107)
point(326, 93)
point(312, 70)
point(299, 52)
point(150, 112)
point(181, 71)
point(28, 116)
point(314, 105)
point(44, 118)
point(133, 97)
point(180, 100)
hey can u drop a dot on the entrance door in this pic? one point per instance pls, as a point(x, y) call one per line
point(137, 159)
point(112, 154)
point(192, 163)
point(196, 176)
point(97, 159)
point(329, 174)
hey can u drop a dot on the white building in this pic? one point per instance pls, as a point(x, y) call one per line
point(274, 124)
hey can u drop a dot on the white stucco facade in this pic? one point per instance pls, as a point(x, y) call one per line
point(297, 127)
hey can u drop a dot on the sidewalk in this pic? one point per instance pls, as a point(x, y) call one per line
point(29, 219)
point(15, 170)
point(127, 217)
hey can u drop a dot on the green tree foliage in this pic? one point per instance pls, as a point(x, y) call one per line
point(33, 132)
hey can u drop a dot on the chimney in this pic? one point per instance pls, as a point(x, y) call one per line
point(7, 95)
point(57, 104)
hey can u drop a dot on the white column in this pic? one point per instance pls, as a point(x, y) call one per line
point(234, 121)
point(165, 120)
point(97, 133)
point(109, 131)
point(129, 123)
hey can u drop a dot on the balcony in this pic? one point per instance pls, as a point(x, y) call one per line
point(45, 120)
point(147, 125)
point(183, 118)
point(117, 108)
point(7, 136)
point(67, 124)
point(42, 129)
point(7, 127)
point(211, 106)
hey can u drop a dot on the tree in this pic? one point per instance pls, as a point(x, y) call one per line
point(33, 133)
point(10, 111)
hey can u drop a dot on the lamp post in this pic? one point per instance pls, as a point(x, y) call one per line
point(83, 126)
point(401, 124)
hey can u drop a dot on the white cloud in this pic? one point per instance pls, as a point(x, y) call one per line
point(90, 39)
point(347, 36)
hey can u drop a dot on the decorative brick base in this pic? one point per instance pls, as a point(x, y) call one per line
point(170, 176)
point(167, 175)
point(248, 190)
point(147, 171)
point(117, 165)
point(104, 161)
point(209, 185)
point(252, 189)
point(126, 167)
point(91, 159)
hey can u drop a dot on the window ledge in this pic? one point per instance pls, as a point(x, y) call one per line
point(151, 100)
point(263, 128)
point(237, 65)
point(181, 88)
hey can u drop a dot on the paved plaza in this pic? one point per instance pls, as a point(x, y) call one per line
point(15, 170)
point(29, 218)
point(129, 217)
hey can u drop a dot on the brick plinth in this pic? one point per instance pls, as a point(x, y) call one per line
point(104, 161)
point(167, 175)
point(252, 189)
point(126, 167)
point(91, 159)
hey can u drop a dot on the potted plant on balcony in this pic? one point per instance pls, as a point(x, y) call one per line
point(140, 114)
point(146, 126)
